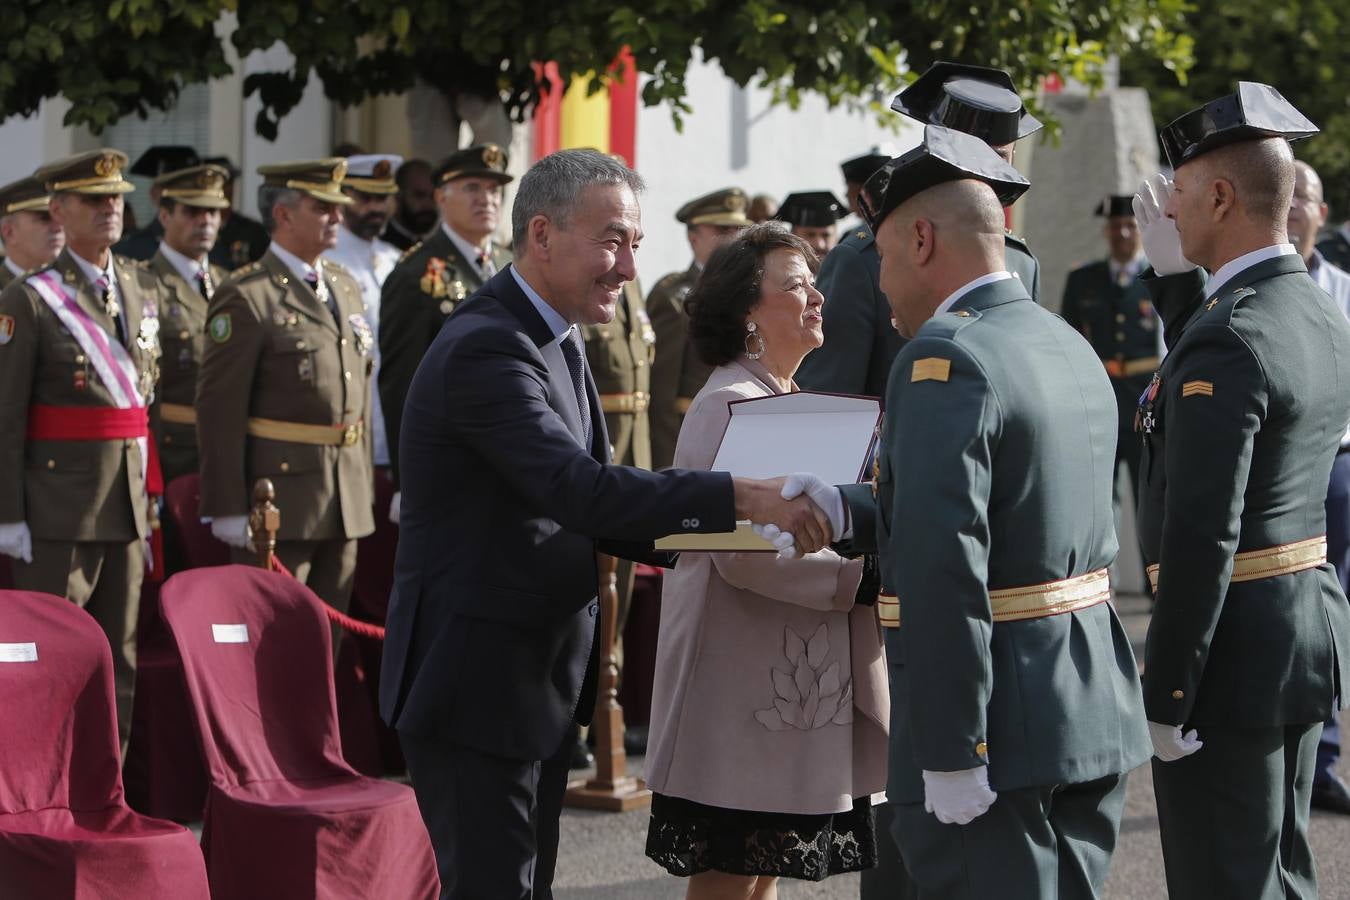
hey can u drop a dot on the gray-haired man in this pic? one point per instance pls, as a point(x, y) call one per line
point(490, 653)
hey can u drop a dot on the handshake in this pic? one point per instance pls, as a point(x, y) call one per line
point(798, 514)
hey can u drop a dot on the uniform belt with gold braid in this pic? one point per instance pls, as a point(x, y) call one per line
point(636, 402)
point(1035, 602)
point(107, 423)
point(304, 433)
point(1123, 368)
point(1252, 565)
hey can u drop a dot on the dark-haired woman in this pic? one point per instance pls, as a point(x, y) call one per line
point(769, 709)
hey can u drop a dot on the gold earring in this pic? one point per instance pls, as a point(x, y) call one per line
point(752, 331)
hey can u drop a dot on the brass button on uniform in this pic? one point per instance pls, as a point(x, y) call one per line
point(1120, 335)
point(1178, 695)
point(299, 345)
point(346, 376)
point(51, 464)
point(1120, 317)
point(965, 314)
point(981, 749)
point(168, 439)
point(343, 342)
point(285, 467)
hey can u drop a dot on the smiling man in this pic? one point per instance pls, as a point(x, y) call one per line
point(490, 655)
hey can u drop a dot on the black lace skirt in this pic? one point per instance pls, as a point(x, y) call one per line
point(687, 838)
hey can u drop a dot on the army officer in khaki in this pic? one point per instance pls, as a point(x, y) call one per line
point(30, 236)
point(190, 206)
point(435, 275)
point(284, 387)
point(678, 374)
point(79, 352)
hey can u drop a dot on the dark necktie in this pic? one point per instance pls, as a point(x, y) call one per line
point(325, 297)
point(108, 296)
point(576, 364)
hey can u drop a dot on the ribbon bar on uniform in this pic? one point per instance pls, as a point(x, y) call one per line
point(1036, 601)
point(1285, 559)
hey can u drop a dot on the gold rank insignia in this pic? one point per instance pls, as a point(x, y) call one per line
point(932, 368)
point(1197, 388)
point(432, 281)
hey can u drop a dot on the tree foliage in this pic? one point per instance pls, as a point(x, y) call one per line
point(1302, 47)
point(115, 57)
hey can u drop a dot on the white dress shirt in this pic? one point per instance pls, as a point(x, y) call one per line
point(968, 287)
point(1231, 268)
point(471, 251)
point(9, 264)
point(188, 268)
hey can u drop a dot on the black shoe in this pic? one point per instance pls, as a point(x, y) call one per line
point(635, 740)
point(1331, 795)
point(581, 757)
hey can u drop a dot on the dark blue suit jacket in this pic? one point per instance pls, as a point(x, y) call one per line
point(494, 615)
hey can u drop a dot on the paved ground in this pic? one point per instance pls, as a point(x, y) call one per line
point(601, 854)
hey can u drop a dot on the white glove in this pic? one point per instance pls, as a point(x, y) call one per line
point(782, 541)
point(826, 496)
point(16, 541)
point(1162, 244)
point(958, 798)
point(1169, 744)
point(395, 506)
point(232, 530)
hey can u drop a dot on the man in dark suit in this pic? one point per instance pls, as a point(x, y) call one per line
point(490, 653)
point(1247, 649)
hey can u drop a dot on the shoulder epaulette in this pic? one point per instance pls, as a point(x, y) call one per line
point(411, 250)
point(245, 272)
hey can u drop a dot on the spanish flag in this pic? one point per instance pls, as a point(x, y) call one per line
point(605, 120)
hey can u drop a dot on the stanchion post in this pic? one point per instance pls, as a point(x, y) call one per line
point(265, 521)
point(612, 789)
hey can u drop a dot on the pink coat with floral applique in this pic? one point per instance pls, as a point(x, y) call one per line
point(770, 689)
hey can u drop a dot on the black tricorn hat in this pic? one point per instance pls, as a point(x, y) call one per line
point(811, 209)
point(860, 168)
point(978, 100)
point(161, 158)
point(1115, 205)
point(1255, 111)
point(945, 155)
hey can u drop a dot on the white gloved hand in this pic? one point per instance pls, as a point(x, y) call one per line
point(232, 530)
point(1162, 244)
point(395, 506)
point(1169, 744)
point(958, 798)
point(826, 496)
point(782, 541)
point(16, 541)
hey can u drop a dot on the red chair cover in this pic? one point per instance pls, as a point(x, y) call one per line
point(164, 773)
point(286, 816)
point(65, 830)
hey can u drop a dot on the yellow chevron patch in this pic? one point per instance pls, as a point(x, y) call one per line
point(1197, 388)
point(932, 368)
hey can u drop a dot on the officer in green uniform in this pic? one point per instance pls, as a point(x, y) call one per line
point(813, 216)
point(79, 361)
point(283, 390)
point(1249, 646)
point(1107, 302)
point(860, 341)
point(155, 161)
point(1016, 707)
point(190, 204)
point(858, 169)
point(242, 239)
point(434, 275)
point(1335, 246)
point(30, 236)
point(678, 373)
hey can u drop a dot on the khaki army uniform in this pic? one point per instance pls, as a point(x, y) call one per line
point(6, 276)
point(84, 500)
point(25, 195)
point(283, 393)
point(431, 279)
point(677, 373)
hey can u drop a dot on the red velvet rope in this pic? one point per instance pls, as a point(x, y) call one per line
point(355, 626)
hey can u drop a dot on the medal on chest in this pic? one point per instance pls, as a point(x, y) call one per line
point(1145, 419)
point(365, 335)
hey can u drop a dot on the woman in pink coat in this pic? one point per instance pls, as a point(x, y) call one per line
point(769, 710)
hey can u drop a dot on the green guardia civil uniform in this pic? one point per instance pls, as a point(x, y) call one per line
point(431, 279)
point(860, 339)
point(1250, 627)
point(1250, 631)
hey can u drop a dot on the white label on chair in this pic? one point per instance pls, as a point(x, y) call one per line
point(230, 634)
point(18, 652)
